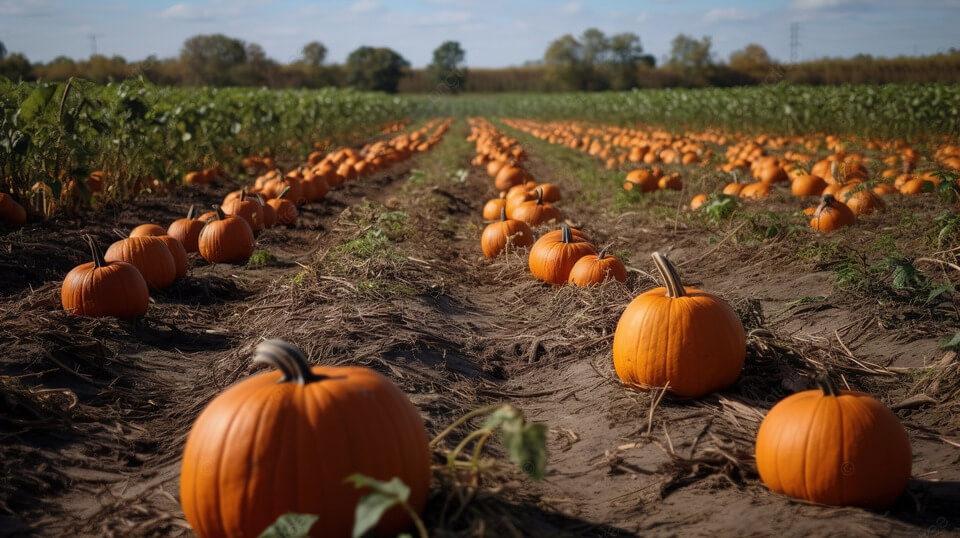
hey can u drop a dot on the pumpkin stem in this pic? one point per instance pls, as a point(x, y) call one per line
point(284, 192)
point(539, 192)
point(243, 194)
point(565, 234)
point(220, 214)
point(191, 212)
point(827, 385)
point(503, 214)
point(287, 358)
point(827, 201)
point(602, 254)
point(95, 252)
point(670, 276)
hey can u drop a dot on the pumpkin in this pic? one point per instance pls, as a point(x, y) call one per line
point(187, 230)
point(549, 191)
point(553, 256)
point(670, 182)
point(269, 214)
point(733, 188)
point(11, 212)
point(641, 179)
point(808, 185)
point(315, 188)
point(597, 268)
point(287, 441)
point(686, 339)
point(227, 239)
point(180, 261)
point(150, 255)
point(104, 289)
point(207, 216)
point(145, 230)
point(516, 196)
point(247, 209)
point(697, 201)
point(493, 207)
point(508, 176)
point(285, 210)
point(755, 191)
point(834, 447)
point(913, 186)
point(494, 166)
point(831, 215)
point(862, 201)
point(536, 212)
point(497, 235)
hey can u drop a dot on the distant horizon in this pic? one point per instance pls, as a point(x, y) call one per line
point(495, 34)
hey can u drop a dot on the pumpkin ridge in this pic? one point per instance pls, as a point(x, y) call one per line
point(806, 446)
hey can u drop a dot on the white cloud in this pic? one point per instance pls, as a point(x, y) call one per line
point(571, 8)
point(26, 8)
point(729, 14)
point(187, 12)
point(643, 17)
point(813, 5)
point(364, 6)
point(444, 18)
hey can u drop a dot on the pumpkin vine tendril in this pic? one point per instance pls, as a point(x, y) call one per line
point(287, 358)
point(670, 275)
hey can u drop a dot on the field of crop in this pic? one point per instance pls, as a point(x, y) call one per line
point(695, 312)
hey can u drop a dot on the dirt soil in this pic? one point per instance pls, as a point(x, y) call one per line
point(386, 272)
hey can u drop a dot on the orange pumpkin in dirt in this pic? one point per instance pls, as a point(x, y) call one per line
point(686, 339)
point(150, 255)
point(493, 207)
point(187, 230)
point(834, 447)
point(180, 261)
point(914, 186)
point(226, 239)
point(246, 208)
point(280, 441)
point(642, 180)
point(670, 182)
point(807, 185)
point(555, 253)
point(498, 235)
point(698, 200)
point(596, 269)
point(733, 188)
point(269, 214)
point(494, 166)
point(285, 210)
point(104, 289)
point(831, 215)
point(145, 230)
point(549, 191)
point(755, 191)
point(862, 201)
point(536, 212)
point(508, 176)
point(11, 213)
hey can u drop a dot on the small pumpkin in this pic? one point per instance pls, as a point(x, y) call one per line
point(831, 215)
point(11, 213)
point(596, 269)
point(187, 230)
point(498, 235)
point(104, 289)
point(508, 176)
point(227, 239)
point(807, 185)
point(150, 255)
point(834, 447)
point(555, 253)
point(536, 212)
point(285, 210)
point(684, 338)
point(493, 207)
point(247, 209)
point(269, 214)
point(287, 440)
point(863, 201)
point(755, 191)
point(146, 230)
point(697, 201)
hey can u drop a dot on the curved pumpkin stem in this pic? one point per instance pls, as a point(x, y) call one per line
point(243, 194)
point(284, 192)
point(220, 214)
point(95, 252)
point(827, 201)
point(671, 277)
point(287, 358)
point(503, 214)
point(539, 192)
point(602, 254)
point(191, 212)
point(827, 385)
point(565, 234)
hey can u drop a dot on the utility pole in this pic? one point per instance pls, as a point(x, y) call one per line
point(794, 42)
point(93, 43)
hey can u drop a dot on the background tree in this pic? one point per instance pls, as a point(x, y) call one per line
point(16, 67)
point(313, 54)
point(376, 69)
point(563, 62)
point(751, 59)
point(627, 60)
point(447, 68)
point(212, 59)
point(691, 57)
point(3, 51)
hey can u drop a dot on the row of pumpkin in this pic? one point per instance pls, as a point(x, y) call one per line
point(829, 446)
point(117, 283)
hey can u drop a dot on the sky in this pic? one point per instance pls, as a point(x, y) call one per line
point(494, 33)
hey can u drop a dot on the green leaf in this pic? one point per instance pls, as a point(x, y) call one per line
point(952, 343)
point(290, 525)
point(937, 291)
point(526, 444)
point(383, 496)
point(34, 104)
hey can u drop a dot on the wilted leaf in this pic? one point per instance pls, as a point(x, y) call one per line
point(526, 444)
point(290, 525)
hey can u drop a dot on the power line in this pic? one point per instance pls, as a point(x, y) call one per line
point(794, 42)
point(93, 43)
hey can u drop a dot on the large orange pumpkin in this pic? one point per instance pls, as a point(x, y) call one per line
point(149, 255)
point(100, 288)
point(286, 441)
point(535, 212)
point(497, 235)
point(248, 209)
point(187, 230)
point(684, 338)
point(554, 254)
point(493, 207)
point(831, 215)
point(145, 230)
point(597, 268)
point(227, 239)
point(834, 447)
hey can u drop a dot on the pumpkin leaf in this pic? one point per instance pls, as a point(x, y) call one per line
point(36, 102)
point(290, 525)
point(372, 506)
point(952, 343)
point(526, 443)
point(937, 291)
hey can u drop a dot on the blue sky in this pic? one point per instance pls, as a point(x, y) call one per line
point(493, 32)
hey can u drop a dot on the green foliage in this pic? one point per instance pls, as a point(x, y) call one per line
point(948, 228)
point(952, 344)
point(260, 258)
point(382, 497)
point(375, 69)
point(720, 206)
point(525, 442)
point(447, 67)
point(290, 525)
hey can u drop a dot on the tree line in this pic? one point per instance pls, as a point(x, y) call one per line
point(592, 61)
